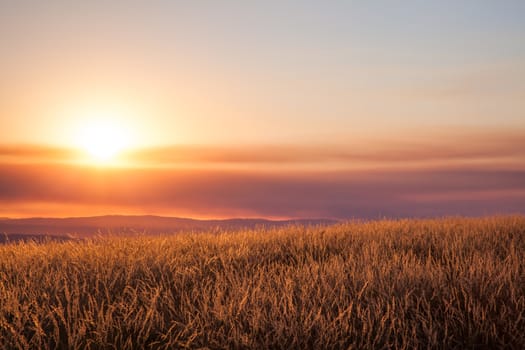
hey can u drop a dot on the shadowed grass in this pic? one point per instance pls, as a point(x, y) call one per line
point(444, 283)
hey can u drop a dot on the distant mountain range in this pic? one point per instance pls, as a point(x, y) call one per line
point(82, 227)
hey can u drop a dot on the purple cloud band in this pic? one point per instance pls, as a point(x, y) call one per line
point(371, 193)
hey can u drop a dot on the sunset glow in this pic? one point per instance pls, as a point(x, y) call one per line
point(228, 109)
point(103, 139)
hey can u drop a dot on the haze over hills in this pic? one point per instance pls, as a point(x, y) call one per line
point(80, 227)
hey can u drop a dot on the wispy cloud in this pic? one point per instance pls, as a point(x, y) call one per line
point(36, 153)
point(478, 173)
point(291, 194)
point(426, 149)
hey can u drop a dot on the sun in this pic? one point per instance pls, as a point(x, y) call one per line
point(103, 139)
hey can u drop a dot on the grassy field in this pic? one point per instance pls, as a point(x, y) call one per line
point(444, 283)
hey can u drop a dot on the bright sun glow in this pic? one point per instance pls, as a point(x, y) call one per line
point(103, 139)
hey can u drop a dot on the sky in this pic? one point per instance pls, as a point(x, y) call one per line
point(273, 109)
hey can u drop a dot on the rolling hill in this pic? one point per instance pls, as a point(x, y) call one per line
point(82, 227)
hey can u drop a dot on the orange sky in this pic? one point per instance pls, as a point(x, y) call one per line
point(479, 173)
point(274, 108)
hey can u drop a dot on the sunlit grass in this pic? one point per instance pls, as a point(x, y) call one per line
point(447, 283)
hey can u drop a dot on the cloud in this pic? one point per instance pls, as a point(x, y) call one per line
point(212, 192)
point(441, 146)
point(450, 173)
point(31, 153)
point(414, 148)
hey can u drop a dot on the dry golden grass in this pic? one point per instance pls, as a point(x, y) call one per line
point(445, 283)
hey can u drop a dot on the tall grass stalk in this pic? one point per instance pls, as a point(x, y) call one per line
point(443, 283)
